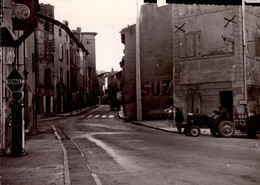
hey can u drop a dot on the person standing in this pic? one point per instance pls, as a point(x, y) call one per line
point(179, 119)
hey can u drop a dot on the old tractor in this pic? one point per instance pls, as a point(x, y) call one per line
point(222, 127)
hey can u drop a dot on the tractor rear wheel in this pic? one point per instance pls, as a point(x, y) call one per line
point(226, 128)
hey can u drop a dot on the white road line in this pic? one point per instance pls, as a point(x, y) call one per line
point(111, 116)
point(89, 116)
point(124, 163)
point(96, 116)
point(95, 177)
point(67, 180)
point(104, 116)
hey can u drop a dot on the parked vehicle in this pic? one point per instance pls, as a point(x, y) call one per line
point(220, 127)
point(248, 124)
point(115, 104)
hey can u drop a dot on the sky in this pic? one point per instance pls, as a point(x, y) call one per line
point(107, 18)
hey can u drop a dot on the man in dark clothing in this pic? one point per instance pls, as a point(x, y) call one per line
point(223, 112)
point(179, 119)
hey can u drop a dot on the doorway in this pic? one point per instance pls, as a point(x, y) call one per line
point(226, 100)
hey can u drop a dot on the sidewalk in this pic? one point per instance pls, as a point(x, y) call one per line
point(45, 161)
point(42, 164)
point(164, 125)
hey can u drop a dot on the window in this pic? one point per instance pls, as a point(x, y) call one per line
point(61, 75)
point(193, 44)
point(67, 56)
point(61, 51)
point(47, 77)
point(257, 45)
point(59, 32)
point(68, 78)
point(46, 26)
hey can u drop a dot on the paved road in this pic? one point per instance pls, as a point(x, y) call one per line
point(103, 149)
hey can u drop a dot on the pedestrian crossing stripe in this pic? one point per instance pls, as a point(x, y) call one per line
point(103, 116)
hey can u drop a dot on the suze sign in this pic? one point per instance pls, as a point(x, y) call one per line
point(14, 80)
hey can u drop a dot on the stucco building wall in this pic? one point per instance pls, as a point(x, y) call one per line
point(129, 71)
point(209, 57)
point(199, 48)
point(156, 59)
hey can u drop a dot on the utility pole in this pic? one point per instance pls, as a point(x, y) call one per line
point(244, 53)
point(138, 67)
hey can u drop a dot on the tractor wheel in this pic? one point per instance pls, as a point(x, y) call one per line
point(195, 131)
point(226, 129)
point(187, 131)
point(214, 132)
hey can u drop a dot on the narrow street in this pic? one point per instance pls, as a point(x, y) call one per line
point(103, 149)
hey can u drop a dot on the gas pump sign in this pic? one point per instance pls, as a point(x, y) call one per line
point(14, 80)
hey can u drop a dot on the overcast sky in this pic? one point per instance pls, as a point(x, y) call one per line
point(107, 18)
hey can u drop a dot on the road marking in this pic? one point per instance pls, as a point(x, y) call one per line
point(126, 164)
point(100, 116)
point(95, 177)
point(65, 158)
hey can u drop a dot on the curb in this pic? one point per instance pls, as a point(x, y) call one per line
point(69, 114)
point(154, 127)
point(163, 129)
point(67, 180)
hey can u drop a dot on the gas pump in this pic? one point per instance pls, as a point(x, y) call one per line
point(17, 124)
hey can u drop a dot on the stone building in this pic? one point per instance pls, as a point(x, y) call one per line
point(193, 56)
point(89, 42)
point(16, 26)
point(64, 72)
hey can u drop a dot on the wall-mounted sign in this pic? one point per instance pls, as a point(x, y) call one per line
point(242, 102)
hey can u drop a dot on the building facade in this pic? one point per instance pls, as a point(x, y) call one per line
point(65, 78)
point(88, 39)
point(53, 66)
point(16, 27)
point(195, 53)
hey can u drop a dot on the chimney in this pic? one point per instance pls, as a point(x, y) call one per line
point(66, 23)
point(79, 29)
point(47, 10)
